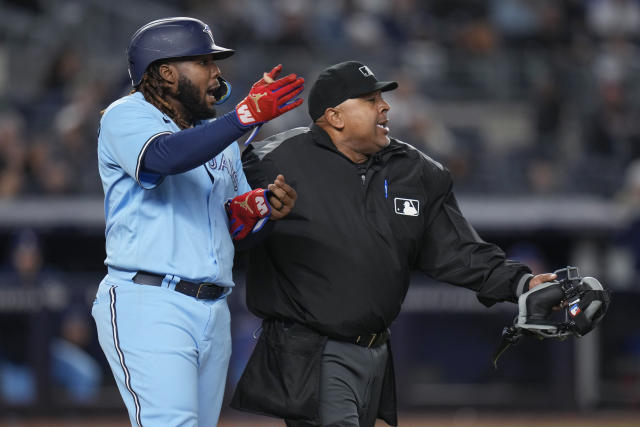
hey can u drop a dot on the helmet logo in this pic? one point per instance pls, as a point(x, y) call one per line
point(207, 30)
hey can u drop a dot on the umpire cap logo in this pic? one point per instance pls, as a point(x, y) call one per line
point(410, 207)
point(366, 71)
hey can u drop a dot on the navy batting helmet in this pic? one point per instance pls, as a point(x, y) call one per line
point(170, 38)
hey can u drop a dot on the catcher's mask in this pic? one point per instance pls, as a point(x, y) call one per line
point(583, 299)
point(584, 302)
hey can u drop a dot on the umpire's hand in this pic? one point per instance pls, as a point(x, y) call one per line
point(282, 198)
point(542, 279)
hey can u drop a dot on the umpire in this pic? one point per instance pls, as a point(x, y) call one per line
point(330, 278)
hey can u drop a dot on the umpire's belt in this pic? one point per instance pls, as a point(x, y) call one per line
point(370, 340)
point(197, 290)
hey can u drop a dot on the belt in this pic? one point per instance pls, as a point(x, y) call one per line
point(197, 290)
point(371, 340)
point(368, 340)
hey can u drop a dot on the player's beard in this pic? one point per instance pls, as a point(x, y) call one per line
point(192, 101)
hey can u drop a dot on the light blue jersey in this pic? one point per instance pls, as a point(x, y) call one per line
point(168, 351)
point(175, 224)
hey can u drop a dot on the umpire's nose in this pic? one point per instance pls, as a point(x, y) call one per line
point(384, 105)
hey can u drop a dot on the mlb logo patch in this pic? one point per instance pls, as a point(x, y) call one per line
point(574, 310)
point(410, 207)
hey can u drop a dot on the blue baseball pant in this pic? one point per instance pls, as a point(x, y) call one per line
point(168, 352)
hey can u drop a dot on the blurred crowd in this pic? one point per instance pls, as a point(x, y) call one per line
point(512, 96)
point(47, 343)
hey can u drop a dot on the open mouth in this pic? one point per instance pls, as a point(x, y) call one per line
point(383, 125)
point(211, 91)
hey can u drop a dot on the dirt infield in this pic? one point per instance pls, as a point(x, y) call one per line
point(460, 418)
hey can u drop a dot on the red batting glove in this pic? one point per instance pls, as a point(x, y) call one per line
point(248, 212)
point(269, 98)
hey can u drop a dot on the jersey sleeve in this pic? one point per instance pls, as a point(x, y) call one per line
point(126, 131)
point(453, 252)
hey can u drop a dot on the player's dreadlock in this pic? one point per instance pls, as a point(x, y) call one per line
point(153, 90)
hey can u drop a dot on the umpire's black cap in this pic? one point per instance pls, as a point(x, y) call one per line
point(340, 82)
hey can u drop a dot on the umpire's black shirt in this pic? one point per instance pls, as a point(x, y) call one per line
point(340, 262)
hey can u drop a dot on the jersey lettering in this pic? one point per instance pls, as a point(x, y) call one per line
point(225, 164)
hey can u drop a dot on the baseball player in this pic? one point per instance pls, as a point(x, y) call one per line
point(174, 189)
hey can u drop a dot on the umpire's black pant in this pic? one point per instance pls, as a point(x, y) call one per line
point(350, 385)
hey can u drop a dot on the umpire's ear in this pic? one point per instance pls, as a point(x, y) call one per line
point(333, 117)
